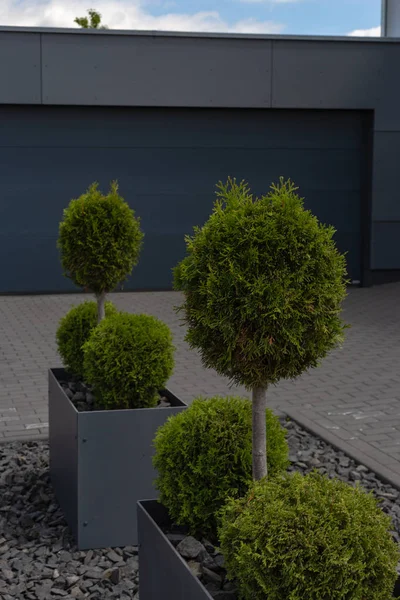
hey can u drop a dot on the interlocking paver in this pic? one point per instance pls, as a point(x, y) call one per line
point(353, 398)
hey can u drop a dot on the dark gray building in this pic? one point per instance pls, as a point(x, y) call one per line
point(169, 115)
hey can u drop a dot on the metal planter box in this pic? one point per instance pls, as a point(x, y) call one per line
point(163, 574)
point(101, 465)
point(174, 580)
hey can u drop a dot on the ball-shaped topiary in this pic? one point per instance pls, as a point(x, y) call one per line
point(309, 537)
point(263, 284)
point(204, 454)
point(74, 331)
point(99, 240)
point(128, 359)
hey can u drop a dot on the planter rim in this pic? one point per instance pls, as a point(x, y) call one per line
point(141, 505)
point(165, 391)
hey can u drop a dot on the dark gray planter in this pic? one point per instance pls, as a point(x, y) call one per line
point(163, 574)
point(101, 465)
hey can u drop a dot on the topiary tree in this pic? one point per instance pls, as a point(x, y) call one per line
point(204, 455)
point(128, 359)
point(309, 537)
point(99, 241)
point(263, 284)
point(74, 331)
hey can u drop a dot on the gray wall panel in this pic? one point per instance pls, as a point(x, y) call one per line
point(386, 176)
point(155, 71)
point(338, 75)
point(387, 84)
point(385, 247)
point(313, 74)
point(20, 68)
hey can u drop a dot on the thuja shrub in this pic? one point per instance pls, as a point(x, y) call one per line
point(128, 359)
point(263, 284)
point(309, 537)
point(204, 455)
point(74, 331)
point(99, 240)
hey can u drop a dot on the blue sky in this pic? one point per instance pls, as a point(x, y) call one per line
point(319, 17)
point(302, 17)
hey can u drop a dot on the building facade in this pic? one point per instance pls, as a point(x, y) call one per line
point(170, 115)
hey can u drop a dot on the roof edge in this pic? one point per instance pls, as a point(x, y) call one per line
point(193, 34)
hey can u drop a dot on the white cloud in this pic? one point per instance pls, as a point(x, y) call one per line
point(122, 14)
point(372, 32)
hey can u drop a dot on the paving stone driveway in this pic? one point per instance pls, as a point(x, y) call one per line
point(353, 399)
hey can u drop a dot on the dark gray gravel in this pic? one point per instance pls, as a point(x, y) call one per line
point(308, 452)
point(83, 396)
point(39, 561)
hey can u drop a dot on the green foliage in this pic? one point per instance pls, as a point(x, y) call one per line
point(100, 240)
point(128, 359)
point(74, 331)
point(309, 537)
point(91, 22)
point(204, 454)
point(263, 284)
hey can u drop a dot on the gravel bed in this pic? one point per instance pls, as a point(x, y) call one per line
point(38, 558)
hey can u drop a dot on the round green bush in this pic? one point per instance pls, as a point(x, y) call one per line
point(309, 537)
point(99, 240)
point(128, 359)
point(74, 331)
point(204, 454)
point(263, 284)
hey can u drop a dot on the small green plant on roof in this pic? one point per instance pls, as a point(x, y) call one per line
point(309, 537)
point(203, 456)
point(93, 21)
point(128, 359)
point(100, 241)
point(74, 331)
point(263, 284)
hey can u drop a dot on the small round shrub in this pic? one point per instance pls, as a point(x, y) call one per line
point(128, 359)
point(309, 537)
point(263, 284)
point(99, 240)
point(204, 454)
point(74, 331)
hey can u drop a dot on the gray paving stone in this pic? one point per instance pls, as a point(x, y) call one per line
point(353, 397)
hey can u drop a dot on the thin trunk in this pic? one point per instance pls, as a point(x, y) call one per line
point(259, 399)
point(101, 306)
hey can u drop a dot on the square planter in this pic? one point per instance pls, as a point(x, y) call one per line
point(163, 574)
point(101, 465)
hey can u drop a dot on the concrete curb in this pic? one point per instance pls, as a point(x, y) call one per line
point(386, 474)
point(24, 439)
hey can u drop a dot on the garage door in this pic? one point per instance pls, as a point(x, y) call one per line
point(167, 162)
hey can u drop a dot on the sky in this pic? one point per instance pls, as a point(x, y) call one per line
point(289, 17)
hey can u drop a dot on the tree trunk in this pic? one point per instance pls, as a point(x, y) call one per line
point(101, 306)
point(259, 399)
